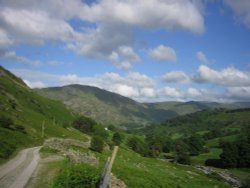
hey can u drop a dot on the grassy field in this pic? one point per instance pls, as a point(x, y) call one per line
point(214, 153)
point(215, 142)
point(137, 171)
point(243, 174)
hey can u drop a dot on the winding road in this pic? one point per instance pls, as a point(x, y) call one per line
point(16, 173)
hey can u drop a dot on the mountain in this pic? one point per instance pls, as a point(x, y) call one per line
point(26, 118)
point(106, 107)
point(111, 108)
point(183, 108)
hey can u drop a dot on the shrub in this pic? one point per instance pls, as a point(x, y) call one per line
point(117, 138)
point(6, 122)
point(6, 150)
point(137, 145)
point(77, 176)
point(100, 131)
point(214, 162)
point(97, 144)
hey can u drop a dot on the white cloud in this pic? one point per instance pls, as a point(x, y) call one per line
point(34, 26)
point(5, 41)
point(193, 92)
point(176, 77)
point(241, 9)
point(34, 84)
point(124, 58)
point(36, 22)
point(163, 53)
point(226, 77)
point(171, 92)
point(202, 57)
point(148, 92)
point(12, 56)
point(100, 42)
point(129, 54)
point(238, 93)
point(69, 79)
point(127, 91)
point(153, 14)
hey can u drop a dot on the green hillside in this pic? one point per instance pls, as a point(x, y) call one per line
point(182, 108)
point(26, 118)
point(107, 107)
point(208, 120)
point(137, 171)
point(201, 134)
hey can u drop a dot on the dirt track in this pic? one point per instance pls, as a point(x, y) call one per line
point(16, 173)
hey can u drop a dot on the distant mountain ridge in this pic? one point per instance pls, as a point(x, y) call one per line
point(111, 108)
point(106, 107)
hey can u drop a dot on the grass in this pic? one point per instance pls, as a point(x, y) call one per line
point(215, 142)
point(214, 153)
point(46, 174)
point(32, 112)
point(137, 171)
point(176, 136)
point(242, 173)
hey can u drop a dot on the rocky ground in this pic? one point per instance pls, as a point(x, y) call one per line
point(230, 179)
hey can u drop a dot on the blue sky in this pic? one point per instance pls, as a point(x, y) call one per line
point(147, 50)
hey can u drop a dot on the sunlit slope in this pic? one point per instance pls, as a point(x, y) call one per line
point(28, 118)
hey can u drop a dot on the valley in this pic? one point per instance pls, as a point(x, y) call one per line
point(160, 144)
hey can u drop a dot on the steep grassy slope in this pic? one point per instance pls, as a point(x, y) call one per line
point(29, 113)
point(106, 107)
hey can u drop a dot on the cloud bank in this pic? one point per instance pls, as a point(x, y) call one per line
point(232, 84)
point(109, 25)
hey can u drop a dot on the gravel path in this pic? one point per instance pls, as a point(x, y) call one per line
point(16, 173)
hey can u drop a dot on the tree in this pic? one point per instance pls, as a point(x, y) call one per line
point(99, 130)
point(111, 128)
point(137, 145)
point(243, 154)
point(84, 124)
point(117, 138)
point(97, 144)
point(229, 155)
point(168, 145)
point(195, 144)
point(182, 156)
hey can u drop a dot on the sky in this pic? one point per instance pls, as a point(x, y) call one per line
point(148, 50)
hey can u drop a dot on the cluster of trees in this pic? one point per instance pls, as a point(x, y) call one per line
point(98, 132)
point(155, 144)
point(234, 154)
